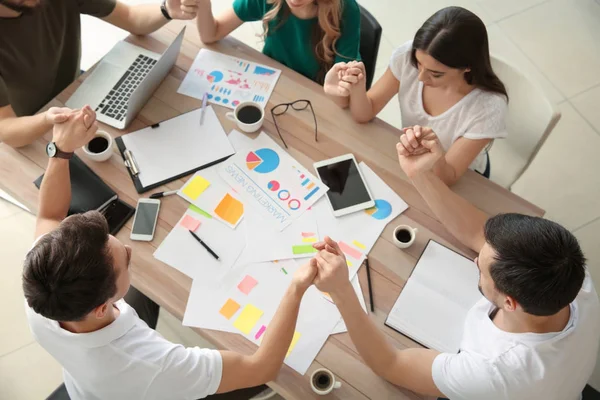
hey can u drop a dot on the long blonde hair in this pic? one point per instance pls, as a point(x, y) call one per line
point(325, 34)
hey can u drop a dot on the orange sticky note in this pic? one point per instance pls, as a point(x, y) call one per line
point(230, 210)
point(189, 222)
point(294, 341)
point(229, 308)
point(195, 187)
point(247, 284)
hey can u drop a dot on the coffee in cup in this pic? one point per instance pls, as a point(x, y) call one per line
point(100, 147)
point(322, 382)
point(248, 116)
point(404, 236)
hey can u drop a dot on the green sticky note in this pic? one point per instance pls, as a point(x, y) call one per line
point(303, 249)
point(198, 210)
point(194, 188)
point(248, 319)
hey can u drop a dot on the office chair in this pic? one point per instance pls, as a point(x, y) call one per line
point(370, 37)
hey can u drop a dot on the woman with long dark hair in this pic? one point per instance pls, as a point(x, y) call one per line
point(446, 88)
point(308, 36)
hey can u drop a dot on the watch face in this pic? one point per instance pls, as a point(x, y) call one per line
point(51, 149)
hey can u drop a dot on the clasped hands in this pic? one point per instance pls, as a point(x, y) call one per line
point(74, 128)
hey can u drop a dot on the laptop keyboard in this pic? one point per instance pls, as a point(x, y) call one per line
point(114, 105)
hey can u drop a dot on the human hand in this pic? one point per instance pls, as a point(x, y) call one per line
point(57, 115)
point(355, 74)
point(305, 275)
point(77, 131)
point(182, 9)
point(418, 150)
point(333, 81)
point(332, 275)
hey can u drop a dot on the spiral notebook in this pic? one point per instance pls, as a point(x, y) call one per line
point(434, 303)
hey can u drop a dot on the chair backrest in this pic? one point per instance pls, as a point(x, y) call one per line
point(531, 117)
point(370, 37)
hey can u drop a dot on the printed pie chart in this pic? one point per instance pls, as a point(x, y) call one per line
point(215, 76)
point(382, 209)
point(262, 161)
point(273, 186)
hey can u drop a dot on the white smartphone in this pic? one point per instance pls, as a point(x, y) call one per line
point(144, 222)
point(348, 191)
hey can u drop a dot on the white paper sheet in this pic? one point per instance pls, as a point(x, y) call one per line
point(267, 178)
point(316, 318)
point(341, 325)
point(359, 231)
point(434, 303)
point(228, 80)
point(181, 251)
point(177, 146)
point(264, 242)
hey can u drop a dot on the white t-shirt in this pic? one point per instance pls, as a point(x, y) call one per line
point(497, 365)
point(478, 115)
point(127, 360)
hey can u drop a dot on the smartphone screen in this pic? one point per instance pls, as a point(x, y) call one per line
point(145, 216)
point(346, 187)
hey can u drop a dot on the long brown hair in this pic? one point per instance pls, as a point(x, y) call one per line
point(457, 38)
point(325, 34)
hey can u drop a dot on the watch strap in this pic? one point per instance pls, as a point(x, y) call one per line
point(163, 9)
point(63, 154)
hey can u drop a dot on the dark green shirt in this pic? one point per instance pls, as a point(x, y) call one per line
point(40, 51)
point(291, 42)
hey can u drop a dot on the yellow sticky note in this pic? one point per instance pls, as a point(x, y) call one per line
point(229, 308)
point(309, 240)
point(294, 341)
point(195, 187)
point(248, 318)
point(359, 244)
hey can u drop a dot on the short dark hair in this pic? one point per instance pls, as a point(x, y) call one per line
point(538, 262)
point(70, 271)
point(457, 38)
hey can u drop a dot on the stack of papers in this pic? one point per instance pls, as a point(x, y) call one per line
point(261, 212)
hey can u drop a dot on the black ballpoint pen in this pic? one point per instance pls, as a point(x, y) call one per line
point(369, 282)
point(204, 245)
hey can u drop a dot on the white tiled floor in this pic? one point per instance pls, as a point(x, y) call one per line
point(554, 42)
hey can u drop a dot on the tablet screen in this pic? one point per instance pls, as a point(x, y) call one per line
point(346, 187)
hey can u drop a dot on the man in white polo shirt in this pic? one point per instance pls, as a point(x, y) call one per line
point(74, 280)
point(535, 335)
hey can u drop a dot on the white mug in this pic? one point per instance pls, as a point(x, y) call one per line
point(102, 156)
point(244, 127)
point(411, 231)
point(322, 382)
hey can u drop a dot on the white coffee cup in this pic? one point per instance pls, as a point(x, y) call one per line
point(244, 126)
point(411, 235)
point(322, 382)
point(103, 155)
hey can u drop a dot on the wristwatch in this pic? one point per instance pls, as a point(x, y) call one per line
point(163, 10)
point(54, 152)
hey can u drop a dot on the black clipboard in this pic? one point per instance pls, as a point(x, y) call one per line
point(133, 169)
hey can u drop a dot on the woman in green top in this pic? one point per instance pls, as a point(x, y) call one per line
point(308, 36)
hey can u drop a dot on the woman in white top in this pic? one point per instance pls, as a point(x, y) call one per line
point(446, 88)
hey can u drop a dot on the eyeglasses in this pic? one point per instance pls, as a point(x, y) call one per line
point(298, 105)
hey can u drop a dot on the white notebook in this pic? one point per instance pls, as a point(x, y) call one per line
point(433, 305)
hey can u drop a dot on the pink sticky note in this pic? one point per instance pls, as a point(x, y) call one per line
point(247, 284)
point(189, 222)
point(260, 332)
point(349, 250)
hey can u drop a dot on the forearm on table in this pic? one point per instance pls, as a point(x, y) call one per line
point(370, 342)
point(55, 191)
point(342, 102)
point(138, 20)
point(445, 172)
point(21, 131)
point(209, 28)
point(461, 218)
point(277, 339)
point(361, 106)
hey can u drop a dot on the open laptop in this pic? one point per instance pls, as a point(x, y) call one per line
point(123, 81)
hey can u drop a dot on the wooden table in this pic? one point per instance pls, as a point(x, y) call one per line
point(373, 143)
